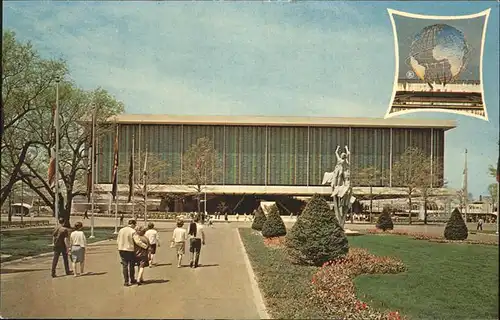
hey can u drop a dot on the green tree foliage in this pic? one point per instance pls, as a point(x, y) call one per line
point(201, 166)
point(28, 97)
point(316, 237)
point(274, 225)
point(259, 219)
point(456, 229)
point(384, 221)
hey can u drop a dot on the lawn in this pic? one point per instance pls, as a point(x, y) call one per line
point(286, 288)
point(444, 280)
point(31, 242)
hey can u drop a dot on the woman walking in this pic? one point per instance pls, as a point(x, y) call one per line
point(179, 241)
point(141, 254)
point(196, 240)
point(78, 242)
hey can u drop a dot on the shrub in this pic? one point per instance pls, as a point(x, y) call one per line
point(455, 227)
point(259, 219)
point(384, 221)
point(274, 225)
point(316, 237)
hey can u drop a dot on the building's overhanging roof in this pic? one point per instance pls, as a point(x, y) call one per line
point(281, 121)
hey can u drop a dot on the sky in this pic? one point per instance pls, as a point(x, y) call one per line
point(328, 58)
point(472, 29)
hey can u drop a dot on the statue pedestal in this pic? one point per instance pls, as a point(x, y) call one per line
point(351, 232)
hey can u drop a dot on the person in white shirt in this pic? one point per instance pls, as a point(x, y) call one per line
point(154, 241)
point(126, 239)
point(179, 241)
point(78, 242)
point(197, 239)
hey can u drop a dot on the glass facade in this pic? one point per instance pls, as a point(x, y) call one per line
point(269, 155)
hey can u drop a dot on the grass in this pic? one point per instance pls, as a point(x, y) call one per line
point(444, 281)
point(31, 242)
point(286, 288)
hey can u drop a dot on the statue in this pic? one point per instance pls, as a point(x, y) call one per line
point(340, 182)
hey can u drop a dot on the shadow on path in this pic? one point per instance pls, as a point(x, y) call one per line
point(93, 274)
point(5, 270)
point(153, 281)
point(162, 264)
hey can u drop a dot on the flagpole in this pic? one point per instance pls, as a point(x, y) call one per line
point(133, 176)
point(466, 194)
point(498, 201)
point(93, 175)
point(145, 188)
point(116, 194)
point(56, 173)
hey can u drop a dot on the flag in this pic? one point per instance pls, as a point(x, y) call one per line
point(498, 169)
point(131, 173)
point(91, 161)
point(115, 167)
point(145, 173)
point(52, 168)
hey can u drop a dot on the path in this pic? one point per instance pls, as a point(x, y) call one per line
point(221, 288)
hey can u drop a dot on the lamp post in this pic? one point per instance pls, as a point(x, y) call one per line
point(93, 175)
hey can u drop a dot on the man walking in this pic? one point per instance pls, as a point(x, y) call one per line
point(126, 239)
point(61, 244)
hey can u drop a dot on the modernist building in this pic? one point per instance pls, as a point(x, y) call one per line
point(267, 156)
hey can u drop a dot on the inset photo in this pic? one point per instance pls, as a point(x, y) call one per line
point(439, 64)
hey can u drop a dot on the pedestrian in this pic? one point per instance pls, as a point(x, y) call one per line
point(245, 217)
point(237, 217)
point(121, 219)
point(86, 214)
point(141, 253)
point(196, 240)
point(127, 239)
point(179, 237)
point(480, 224)
point(154, 242)
point(225, 217)
point(61, 244)
point(78, 242)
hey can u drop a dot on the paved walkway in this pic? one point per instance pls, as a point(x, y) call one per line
point(220, 288)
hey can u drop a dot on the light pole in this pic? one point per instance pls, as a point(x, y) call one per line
point(498, 202)
point(56, 173)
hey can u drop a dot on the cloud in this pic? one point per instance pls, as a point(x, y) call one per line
point(311, 59)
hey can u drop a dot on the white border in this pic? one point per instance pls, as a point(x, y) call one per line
point(391, 12)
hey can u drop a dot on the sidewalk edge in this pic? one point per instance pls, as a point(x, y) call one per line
point(257, 294)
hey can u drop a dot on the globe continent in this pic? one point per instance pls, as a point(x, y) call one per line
point(438, 53)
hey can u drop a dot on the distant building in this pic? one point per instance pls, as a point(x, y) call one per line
point(270, 158)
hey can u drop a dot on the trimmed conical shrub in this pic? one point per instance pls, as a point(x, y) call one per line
point(316, 237)
point(384, 221)
point(258, 219)
point(456, 229)
point(274, 225)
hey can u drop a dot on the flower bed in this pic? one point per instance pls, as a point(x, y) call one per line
point(432, 238)
point(334, 287)
point(276, 242)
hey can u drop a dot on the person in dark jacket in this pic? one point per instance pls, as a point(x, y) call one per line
point(60, 238)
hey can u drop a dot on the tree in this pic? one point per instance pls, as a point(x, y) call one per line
point(456, 229)
point(368, 177)
point(25, 78)
point(155, 166)
point(384, 221)
point(413, 172)
point(74, 105)
point(200, 166)
point(259, 219)
point(316, 237)
point(274, 225)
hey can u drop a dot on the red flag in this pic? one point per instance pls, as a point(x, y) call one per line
point(115, 167)
point(52, 168)
point(498, 169)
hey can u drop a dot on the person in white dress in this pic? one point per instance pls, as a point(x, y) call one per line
point(78, 242)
